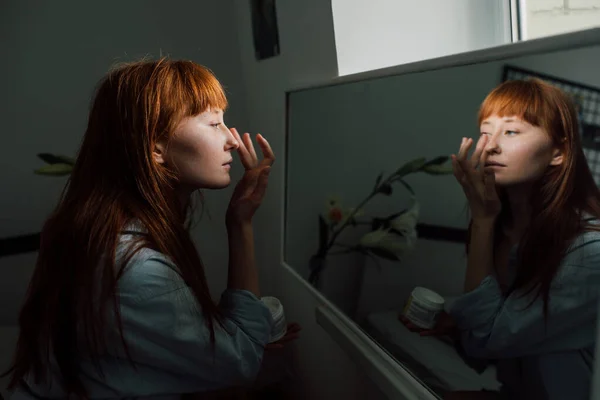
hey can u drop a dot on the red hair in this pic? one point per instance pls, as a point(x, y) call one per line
point(557, 203)
point(114, 181)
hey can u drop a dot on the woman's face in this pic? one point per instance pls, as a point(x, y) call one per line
point(200, 151)
point(518, 152)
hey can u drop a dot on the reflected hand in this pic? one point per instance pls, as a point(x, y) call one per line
point(251, 189)
point(479, 184)
point(445, 326)
point(293, 333)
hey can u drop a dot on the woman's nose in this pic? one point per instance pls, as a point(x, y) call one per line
point(232, 143)
point(492, 144)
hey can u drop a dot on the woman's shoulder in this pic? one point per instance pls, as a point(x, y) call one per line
point(584, 251)
point(147, 272)
point(590, 235)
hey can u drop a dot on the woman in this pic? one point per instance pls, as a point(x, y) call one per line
point(118, 305)
point(532, 282)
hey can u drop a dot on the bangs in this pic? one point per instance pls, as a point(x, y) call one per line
point(195, 89)
point(521, 99)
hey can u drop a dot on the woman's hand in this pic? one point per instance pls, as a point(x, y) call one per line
point(293, 332)
point(445, 326)
point(479, 184)
point(250, 190)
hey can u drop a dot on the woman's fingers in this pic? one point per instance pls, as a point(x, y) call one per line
point(461, 158)
point(470, 172)
point(465, 145)
point(243, 152)
point(292, 334)
point(267, 151)
point(250, 147)
point(477, 154)
point(411, 327)
point(259, 190)
point(459, 172)
point(248, 153)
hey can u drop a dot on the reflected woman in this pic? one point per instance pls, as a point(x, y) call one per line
point(532, 282)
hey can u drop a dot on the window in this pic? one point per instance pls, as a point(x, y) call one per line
point(391, 32)
point(538, 18)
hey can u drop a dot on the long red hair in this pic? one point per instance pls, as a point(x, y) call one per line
point(561, 196)
point(114, 181)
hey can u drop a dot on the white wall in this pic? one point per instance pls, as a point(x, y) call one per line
point(394, 32)
point(54, 54)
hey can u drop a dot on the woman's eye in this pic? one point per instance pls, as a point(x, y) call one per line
point(215, 125)
point(511, 132)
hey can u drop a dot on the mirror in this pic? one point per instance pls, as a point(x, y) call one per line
point(346, 146)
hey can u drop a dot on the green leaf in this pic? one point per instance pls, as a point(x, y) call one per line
point(323, 235)
point(56, 159)
point(385, 189)
point(410, 167)
point(54, 170)
point(384, 223)
point(438, 169)
point(436, 161)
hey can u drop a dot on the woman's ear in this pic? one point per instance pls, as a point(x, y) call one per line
point(557, 157)
point(158, 154)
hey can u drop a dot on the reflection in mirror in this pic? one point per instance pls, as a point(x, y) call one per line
point(377, 221)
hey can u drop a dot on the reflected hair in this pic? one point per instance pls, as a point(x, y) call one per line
point(562, 195)
point(115, 181)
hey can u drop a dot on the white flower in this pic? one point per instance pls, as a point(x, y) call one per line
point(390, 242)
point(397, 242)
point(406, 223)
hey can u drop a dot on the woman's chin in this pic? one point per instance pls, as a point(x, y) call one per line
point(220, 184)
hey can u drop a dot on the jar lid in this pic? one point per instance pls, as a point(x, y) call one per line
point(428, 296)
point(274, 305)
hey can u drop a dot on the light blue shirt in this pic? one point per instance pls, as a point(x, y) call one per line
point(538, 360)
point(169, 340)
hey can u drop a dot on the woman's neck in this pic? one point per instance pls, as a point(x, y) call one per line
point(520, 211)
point(183, 198)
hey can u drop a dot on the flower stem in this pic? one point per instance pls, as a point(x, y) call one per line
point(337, 232)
